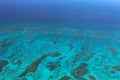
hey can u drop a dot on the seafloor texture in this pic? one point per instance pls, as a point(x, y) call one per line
point(59, 54)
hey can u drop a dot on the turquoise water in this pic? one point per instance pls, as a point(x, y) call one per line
point(45, 53)
point(59, 40)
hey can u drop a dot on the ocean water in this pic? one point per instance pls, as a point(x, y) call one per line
point(59, 40)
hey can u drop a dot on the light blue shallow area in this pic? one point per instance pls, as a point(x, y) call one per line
point(44, 53)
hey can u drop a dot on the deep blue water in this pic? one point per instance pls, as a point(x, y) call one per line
point(105, 14)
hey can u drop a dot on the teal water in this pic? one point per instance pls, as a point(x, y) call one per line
point(45, 53)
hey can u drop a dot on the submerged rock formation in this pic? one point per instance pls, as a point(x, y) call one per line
point(53, 65)
point(113, 50)
point(2, 64)
point(34, 65)
point(65, 78)
point(80, 71)
point(92, 77)
point(116, 68)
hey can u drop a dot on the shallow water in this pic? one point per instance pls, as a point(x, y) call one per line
point(44, 53)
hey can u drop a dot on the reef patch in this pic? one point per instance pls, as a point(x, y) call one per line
point(3, 63)
point(34, 65)
point(80, 71)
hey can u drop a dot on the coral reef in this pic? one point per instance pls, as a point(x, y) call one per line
point(58, 54)
point(116, 68)
point(3, 63)
point(34, 65)
point(65, 78)
point(80, 71)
